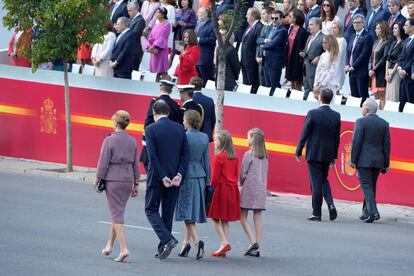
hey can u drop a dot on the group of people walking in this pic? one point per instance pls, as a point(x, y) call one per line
point(179, 179)
point(177, 162)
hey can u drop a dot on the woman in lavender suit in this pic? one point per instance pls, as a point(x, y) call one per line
point(118, 165)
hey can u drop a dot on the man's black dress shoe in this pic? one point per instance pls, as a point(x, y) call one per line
point(167, 249)
point(314, 218)
point(332, 212)
point(369, 220)
point(363, 217)
point(377, 216)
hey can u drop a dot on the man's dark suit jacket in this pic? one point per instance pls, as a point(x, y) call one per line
point(361, 54)
point(190, 105)
point(406, 58)
point(167, 149)
point(274, 51)
point(320, 132)
point(209, 113)
point(400, 19)
point(381, 15)
point(120, 11)
point(371, 143)
point(225, 6)
point(123, 51)
point(350, 30)
point(248, 50)
point(137, 26)
point(207, 43)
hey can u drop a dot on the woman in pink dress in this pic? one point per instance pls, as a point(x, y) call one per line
point(253, 182)
point(157, 44)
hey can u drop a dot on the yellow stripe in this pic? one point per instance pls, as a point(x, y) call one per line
point(16, 110)
point(403, 166)
point(270, 146)
point(107, 123)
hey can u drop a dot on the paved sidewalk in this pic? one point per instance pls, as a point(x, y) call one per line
point(389, 213)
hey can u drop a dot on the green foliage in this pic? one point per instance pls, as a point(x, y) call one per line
point(63, 25)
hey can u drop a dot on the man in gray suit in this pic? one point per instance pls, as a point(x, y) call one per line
point(370, 155)
point(312, 52)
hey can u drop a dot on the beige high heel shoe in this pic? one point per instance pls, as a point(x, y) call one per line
point(122, 257)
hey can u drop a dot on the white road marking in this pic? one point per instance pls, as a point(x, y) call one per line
point(133, 226)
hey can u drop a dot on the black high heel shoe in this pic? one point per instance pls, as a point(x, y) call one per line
point(184, 252)
point(200, 252)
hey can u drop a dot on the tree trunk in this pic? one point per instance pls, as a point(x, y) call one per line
point(69, 161)
point(221, 63)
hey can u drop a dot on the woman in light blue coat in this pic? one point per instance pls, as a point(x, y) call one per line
point(190, 206)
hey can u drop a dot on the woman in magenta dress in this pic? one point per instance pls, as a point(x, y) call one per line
point(253, 182)
point(118, 165)
point(157, 44)
point(225, 204)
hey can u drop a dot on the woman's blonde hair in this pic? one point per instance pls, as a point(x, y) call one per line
point(193, 118)
point(258, 143)
point(333, 47)
point(121, 117)
point(225, 144)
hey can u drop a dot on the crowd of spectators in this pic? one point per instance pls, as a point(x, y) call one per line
point(307, 44)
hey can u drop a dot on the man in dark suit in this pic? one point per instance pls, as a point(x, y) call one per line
point(314, 11)
point(137, 26)
point(405, 66)
point(169, 155)
point(348, 26)
point(209, 118)
point(124, 48)
point(207, 43)
point(375, 15)
point(174, 115)
point(396, 16)
point(222, 6)
point(311, 53)
point(370, 155)
point(118, 9)
point(250, 67)
point(274, 46)
point(320, 132)
point(358, 56)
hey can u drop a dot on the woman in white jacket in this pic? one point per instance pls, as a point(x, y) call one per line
point(101, 54)
point(328, 67)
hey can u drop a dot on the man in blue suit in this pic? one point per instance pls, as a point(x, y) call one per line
point(396, 16)
point(348, 26)
point(207, 43)
point(314, 11)
point(406, 66)
point(169, 155)
point(358, 55)
point(118, 9)
point(123, 51)
point(209, 114)
point(222, 6)
point(274, 51)
point(376, 14)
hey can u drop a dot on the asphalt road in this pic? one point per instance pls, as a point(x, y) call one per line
point(52, 226)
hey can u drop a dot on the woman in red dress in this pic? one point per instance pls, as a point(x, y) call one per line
point(19, 40)
point(225, 204)
point(190, 54)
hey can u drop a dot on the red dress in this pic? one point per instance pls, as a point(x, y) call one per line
point(225, 204)
point(25, 39)
point(187, 67)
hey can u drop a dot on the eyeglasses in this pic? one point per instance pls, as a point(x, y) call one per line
point(358, 22)
point(326, 5)
point(275, 18)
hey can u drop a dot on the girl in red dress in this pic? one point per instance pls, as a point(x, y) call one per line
point(225, 204)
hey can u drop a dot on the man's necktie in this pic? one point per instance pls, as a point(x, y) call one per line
point(348, 18)
point(391, 21)
point(351, 59)
point(371, 17)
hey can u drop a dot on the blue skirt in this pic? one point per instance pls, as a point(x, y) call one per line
point(190, 204)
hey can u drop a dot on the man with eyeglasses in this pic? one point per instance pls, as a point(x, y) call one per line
point(376, 14)
point(348, 27)
point(358, 55)
point(274, 46)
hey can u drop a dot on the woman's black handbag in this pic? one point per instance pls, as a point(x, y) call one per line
point(101, 185)
point(209, 195)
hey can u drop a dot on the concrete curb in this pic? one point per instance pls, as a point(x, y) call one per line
point(389, 213)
